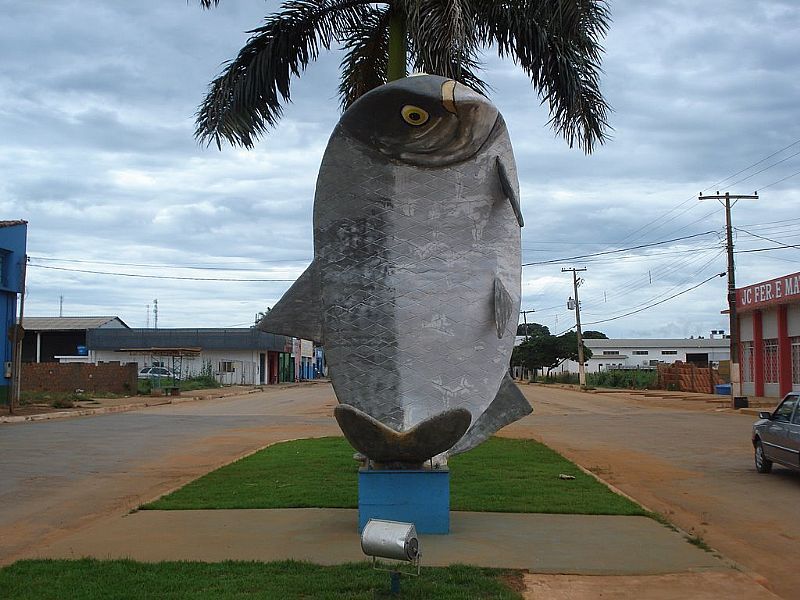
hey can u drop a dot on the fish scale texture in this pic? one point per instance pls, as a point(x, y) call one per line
point(407, 258)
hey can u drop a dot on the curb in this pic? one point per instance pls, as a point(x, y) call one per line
point(87, 412)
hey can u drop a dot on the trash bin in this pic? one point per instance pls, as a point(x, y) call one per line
point(740, 402)
point(723, 389)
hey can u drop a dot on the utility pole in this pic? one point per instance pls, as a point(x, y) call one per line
point(575, 284)
point(733, 320)
point(525, 320)
point(16, 343)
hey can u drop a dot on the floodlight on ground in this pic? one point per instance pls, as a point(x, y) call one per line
point(391, 540)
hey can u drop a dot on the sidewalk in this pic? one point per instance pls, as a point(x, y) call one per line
point(630, 557)
point(100, 406)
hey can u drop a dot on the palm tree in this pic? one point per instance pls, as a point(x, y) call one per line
point(555, 42)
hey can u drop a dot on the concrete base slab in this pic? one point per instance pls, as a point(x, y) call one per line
point(577, 544)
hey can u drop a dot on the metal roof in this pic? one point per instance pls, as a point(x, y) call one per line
point(658, 343)
point(68, 323)
point(12, 223)
point(208, 339)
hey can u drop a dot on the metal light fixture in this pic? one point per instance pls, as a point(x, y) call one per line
point(392, 540)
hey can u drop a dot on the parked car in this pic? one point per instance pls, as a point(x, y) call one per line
point(776, 435)
point(157, 373)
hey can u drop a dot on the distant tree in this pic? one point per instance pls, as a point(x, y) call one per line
point(534, 330)
point(568, 347)
point(536, 353)
point(594, 335)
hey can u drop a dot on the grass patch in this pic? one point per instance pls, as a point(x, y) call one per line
point(124, 579)
point(501, 475)
point(311, 473)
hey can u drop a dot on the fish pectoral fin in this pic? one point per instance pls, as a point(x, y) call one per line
point(510, 189)
point(298, 312)
point(385, 445)
point(503, 307)
point(508, 405)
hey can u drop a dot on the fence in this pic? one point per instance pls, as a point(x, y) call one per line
point(68, 377)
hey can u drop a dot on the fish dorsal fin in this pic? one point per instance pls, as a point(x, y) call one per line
point(298, 313)
point(509, 189)
point(503, 307)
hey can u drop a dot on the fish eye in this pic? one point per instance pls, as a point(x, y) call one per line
point(414, 115)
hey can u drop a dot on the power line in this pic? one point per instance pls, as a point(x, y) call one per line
point(783, 160)
point(167, 266)
point(660, 218)
point(155, 276)
point(763, 187)
point(633, 312)
point(760, 250)
point(767, 239)
point(606, 252)
point(794, 143)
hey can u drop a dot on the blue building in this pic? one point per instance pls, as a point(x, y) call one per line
point(13, 236)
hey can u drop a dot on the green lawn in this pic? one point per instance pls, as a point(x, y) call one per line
point(125, 579)
point(501, 475)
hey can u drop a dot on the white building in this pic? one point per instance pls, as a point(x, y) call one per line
point(647, 353)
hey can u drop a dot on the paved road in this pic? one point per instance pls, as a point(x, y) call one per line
point(59, 476)
point(685, 460)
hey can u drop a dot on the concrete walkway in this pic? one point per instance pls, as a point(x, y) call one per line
point(578, 544)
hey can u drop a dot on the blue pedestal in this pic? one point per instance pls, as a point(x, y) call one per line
point(421, 497)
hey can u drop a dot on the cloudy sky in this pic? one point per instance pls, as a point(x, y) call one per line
point(97, 102)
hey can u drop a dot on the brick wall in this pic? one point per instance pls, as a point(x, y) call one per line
point(686, 377)
point(68, 377)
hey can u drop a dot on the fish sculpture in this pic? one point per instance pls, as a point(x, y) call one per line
point(414, 289)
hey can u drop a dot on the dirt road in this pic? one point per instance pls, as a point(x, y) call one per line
point(685, 460)
point(58, 476)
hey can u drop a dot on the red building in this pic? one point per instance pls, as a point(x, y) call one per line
point(769, 334)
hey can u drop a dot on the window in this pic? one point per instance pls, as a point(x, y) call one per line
point(747, 362)
point(784, 412)
point(770, 361)
point(610, 352)
point(641, 352)
point(665, 352)
point(226, 366)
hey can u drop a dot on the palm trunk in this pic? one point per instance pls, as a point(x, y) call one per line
point(398, 47)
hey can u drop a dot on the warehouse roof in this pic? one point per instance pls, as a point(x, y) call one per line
point(206, 338)
point(70, 323)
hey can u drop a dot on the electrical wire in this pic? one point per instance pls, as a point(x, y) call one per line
point(167, 266)
point(633, 312)
point(607, 252)
point(156, 276)
point(766, 238)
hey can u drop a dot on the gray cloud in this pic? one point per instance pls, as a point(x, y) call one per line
point(97, 152)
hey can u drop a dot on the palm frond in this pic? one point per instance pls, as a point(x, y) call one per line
point(443, 39)
point(246, 98)
point(557, 43)
point(365, 64)
point(208, 3)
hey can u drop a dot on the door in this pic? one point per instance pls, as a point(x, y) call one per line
point(776, 439)
point(794, 435)
point(262, 368)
